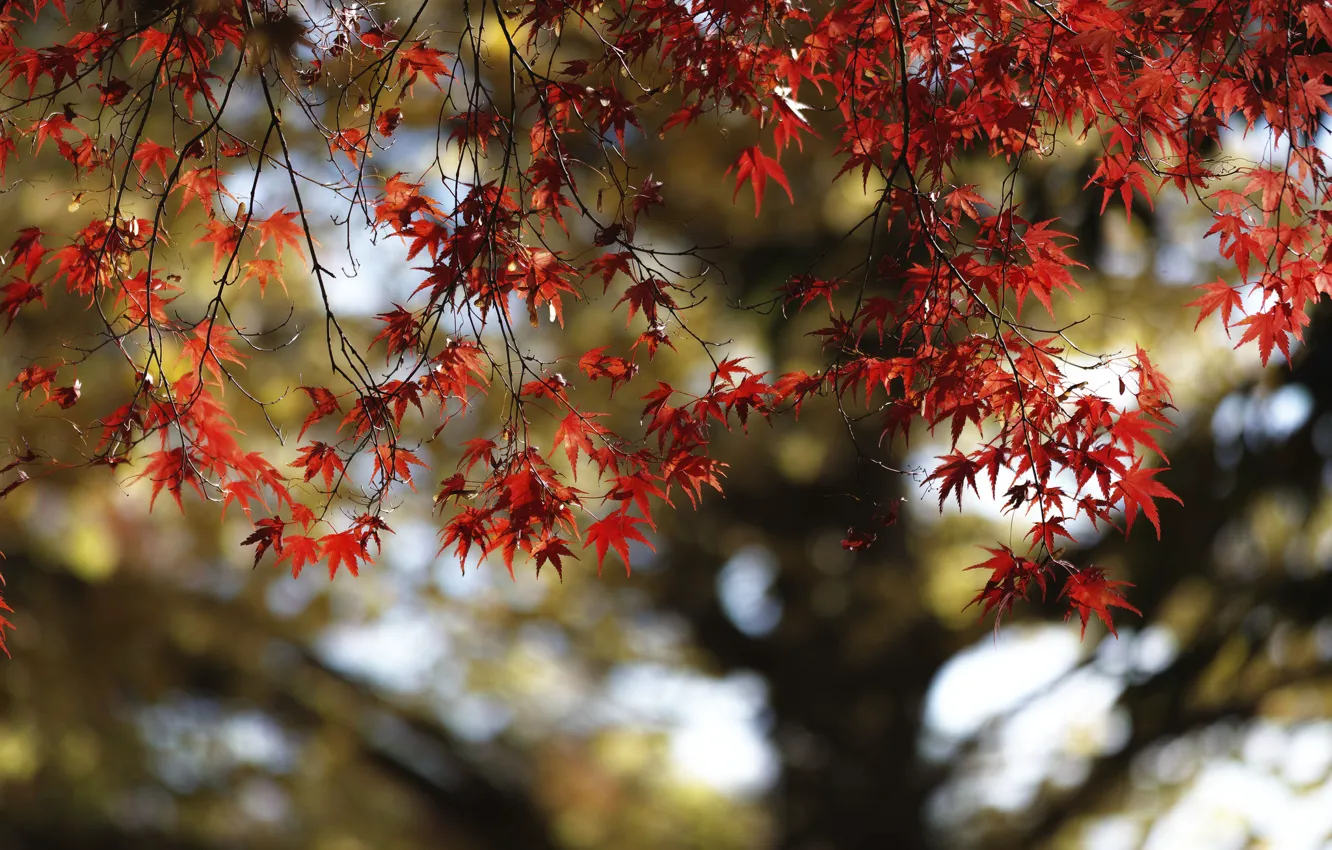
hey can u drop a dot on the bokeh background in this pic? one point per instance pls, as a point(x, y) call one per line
point(752, 685)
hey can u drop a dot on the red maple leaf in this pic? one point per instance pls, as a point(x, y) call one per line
point(27, 250)
point(395, 464)
point(241, 492)
point(1137, 428)
point(421, 59)
point(320, 459)
point(478, 449)
point(7, 148)
point(1138, 489)
point(637, 488)
point(203, 185)
point(388, 122)
point(17, 294)
point(345, 549)
point(225, 238)
point(66, 397)
point(956, 471)
point(1220, 296)
point(5, 625)
point(1088, 590)
point(1011, 577)
point(267, 534)
point(575, 434)
point(350, 142)
point(52, 127)
point(170, 468)
point(1271, 328)
point(302, 514)
point(401, 331)
point(615, 532)
point(692, 472)
point(113, 92)
point(264, 271)
point(756, 166)
point(858, 539)
point(325, 404)
point(299, 550)
point(550, 549)
point(209, 347)
point(468, 529)
point(31, 377)
point(148, 154)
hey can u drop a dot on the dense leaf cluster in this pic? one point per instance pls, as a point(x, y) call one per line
point(538, 207)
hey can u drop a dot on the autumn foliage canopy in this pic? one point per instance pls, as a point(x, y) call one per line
point(163, 118)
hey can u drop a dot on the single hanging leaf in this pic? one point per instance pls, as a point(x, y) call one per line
point(1138, 488)
point(1089, 591)
point(756, 167)
point(956, 471)
point(615, 532)
point(282, 229)
point(343, 548)
point(325, 404)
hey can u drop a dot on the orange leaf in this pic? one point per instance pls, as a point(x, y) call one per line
point(281, 229)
